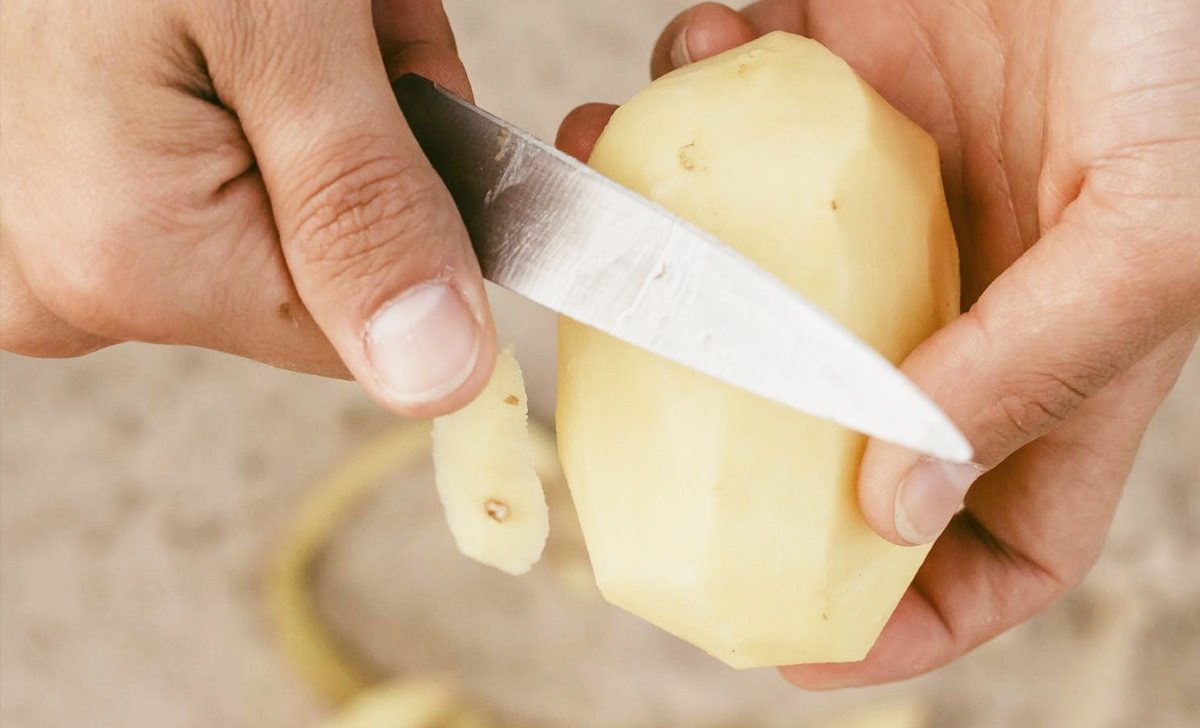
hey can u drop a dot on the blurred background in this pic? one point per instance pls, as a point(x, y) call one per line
point(144, 488)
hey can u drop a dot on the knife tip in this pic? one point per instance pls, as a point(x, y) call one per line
point(947, 443)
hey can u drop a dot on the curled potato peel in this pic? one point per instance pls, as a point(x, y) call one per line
point(324, 664)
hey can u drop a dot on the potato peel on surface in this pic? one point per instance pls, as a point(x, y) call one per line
point(910, 713)
point(326, 665)
point(406, 704)
point(331, 670)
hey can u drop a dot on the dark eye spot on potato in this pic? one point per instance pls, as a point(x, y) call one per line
point(496, 510)
point(512, 399)
point(687, 156)
point(746, 60)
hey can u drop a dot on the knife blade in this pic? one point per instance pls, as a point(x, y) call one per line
point(559, 233)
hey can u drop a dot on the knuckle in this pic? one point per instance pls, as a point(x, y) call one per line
point(1030, 413)
point(233, 33)
point(349, 216)
point(1032, 396)
point(1037, 402)
point(101, 291)
point(28, 328)
point(87, 295)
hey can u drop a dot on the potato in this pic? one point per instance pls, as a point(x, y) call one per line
point(726, 519)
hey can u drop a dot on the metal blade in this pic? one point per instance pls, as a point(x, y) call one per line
point(564, 236)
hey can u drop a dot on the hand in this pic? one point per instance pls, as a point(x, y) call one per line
point(1070, 143)
point(236, 175)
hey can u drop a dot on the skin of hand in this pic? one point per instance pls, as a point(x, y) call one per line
point(1069, 133)
point(236, 175)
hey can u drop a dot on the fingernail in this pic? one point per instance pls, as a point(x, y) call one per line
point(679, 49)
point(423, 344)
point(929, 496)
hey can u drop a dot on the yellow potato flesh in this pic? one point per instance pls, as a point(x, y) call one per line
point(721, 517)
point(486, 475)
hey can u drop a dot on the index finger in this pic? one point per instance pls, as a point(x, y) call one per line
point(697, 33)
point(415, 37)
point(581, 128)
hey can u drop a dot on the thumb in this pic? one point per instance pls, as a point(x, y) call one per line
point(1094, 296)
point(371, 237)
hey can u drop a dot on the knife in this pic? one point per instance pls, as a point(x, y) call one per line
point(564, 236)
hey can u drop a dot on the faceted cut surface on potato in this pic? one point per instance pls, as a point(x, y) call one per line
point(721, 517)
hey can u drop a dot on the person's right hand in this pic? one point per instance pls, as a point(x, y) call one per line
point(236, 175)
point(1069, 133)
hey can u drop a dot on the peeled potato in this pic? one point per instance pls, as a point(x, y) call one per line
point(486, 479)
point(726, 519)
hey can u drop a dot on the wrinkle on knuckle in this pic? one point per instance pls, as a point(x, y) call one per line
point(239, 42)
point(1034, 404)
point(348, 218)
point(267, 54)
point(1035, 393)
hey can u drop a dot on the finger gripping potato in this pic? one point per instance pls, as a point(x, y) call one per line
point(726, 519)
